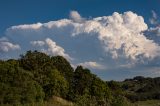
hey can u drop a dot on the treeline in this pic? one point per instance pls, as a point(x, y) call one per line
point(37, 77)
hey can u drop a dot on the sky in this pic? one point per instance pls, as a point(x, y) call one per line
point(114, 39)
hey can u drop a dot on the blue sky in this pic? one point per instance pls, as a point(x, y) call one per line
point(116, 40)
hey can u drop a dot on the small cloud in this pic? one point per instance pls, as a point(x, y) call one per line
point(6, 46)
point(154, 19)
point(92, 64)
point(75, 16)
point(53, 48)
point(37, 43)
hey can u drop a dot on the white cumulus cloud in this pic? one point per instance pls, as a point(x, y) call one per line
point(121, 35)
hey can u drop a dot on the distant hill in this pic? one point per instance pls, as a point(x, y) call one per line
point(140, 88)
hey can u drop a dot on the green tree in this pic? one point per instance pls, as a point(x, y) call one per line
point(17, 85)
point(100, 91)
point(82, 80)
point(57, 85)
point(33, 60)
point(63, 66)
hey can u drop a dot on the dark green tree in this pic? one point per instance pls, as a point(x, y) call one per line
point(57, 85)
point(17, 85)
point(63, 66)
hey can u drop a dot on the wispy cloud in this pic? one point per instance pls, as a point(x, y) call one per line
point(37, 43)
point(154, 19)
point(155, 30)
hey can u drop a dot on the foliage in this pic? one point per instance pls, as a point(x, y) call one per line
point(120, 101)
point(57, 86)
point(36, 78)
point(63, 66)
point(17, 85)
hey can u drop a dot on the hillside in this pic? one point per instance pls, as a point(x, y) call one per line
point(36, 78)
point(140, 88)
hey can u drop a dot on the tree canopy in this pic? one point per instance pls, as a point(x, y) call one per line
point(36, 77)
